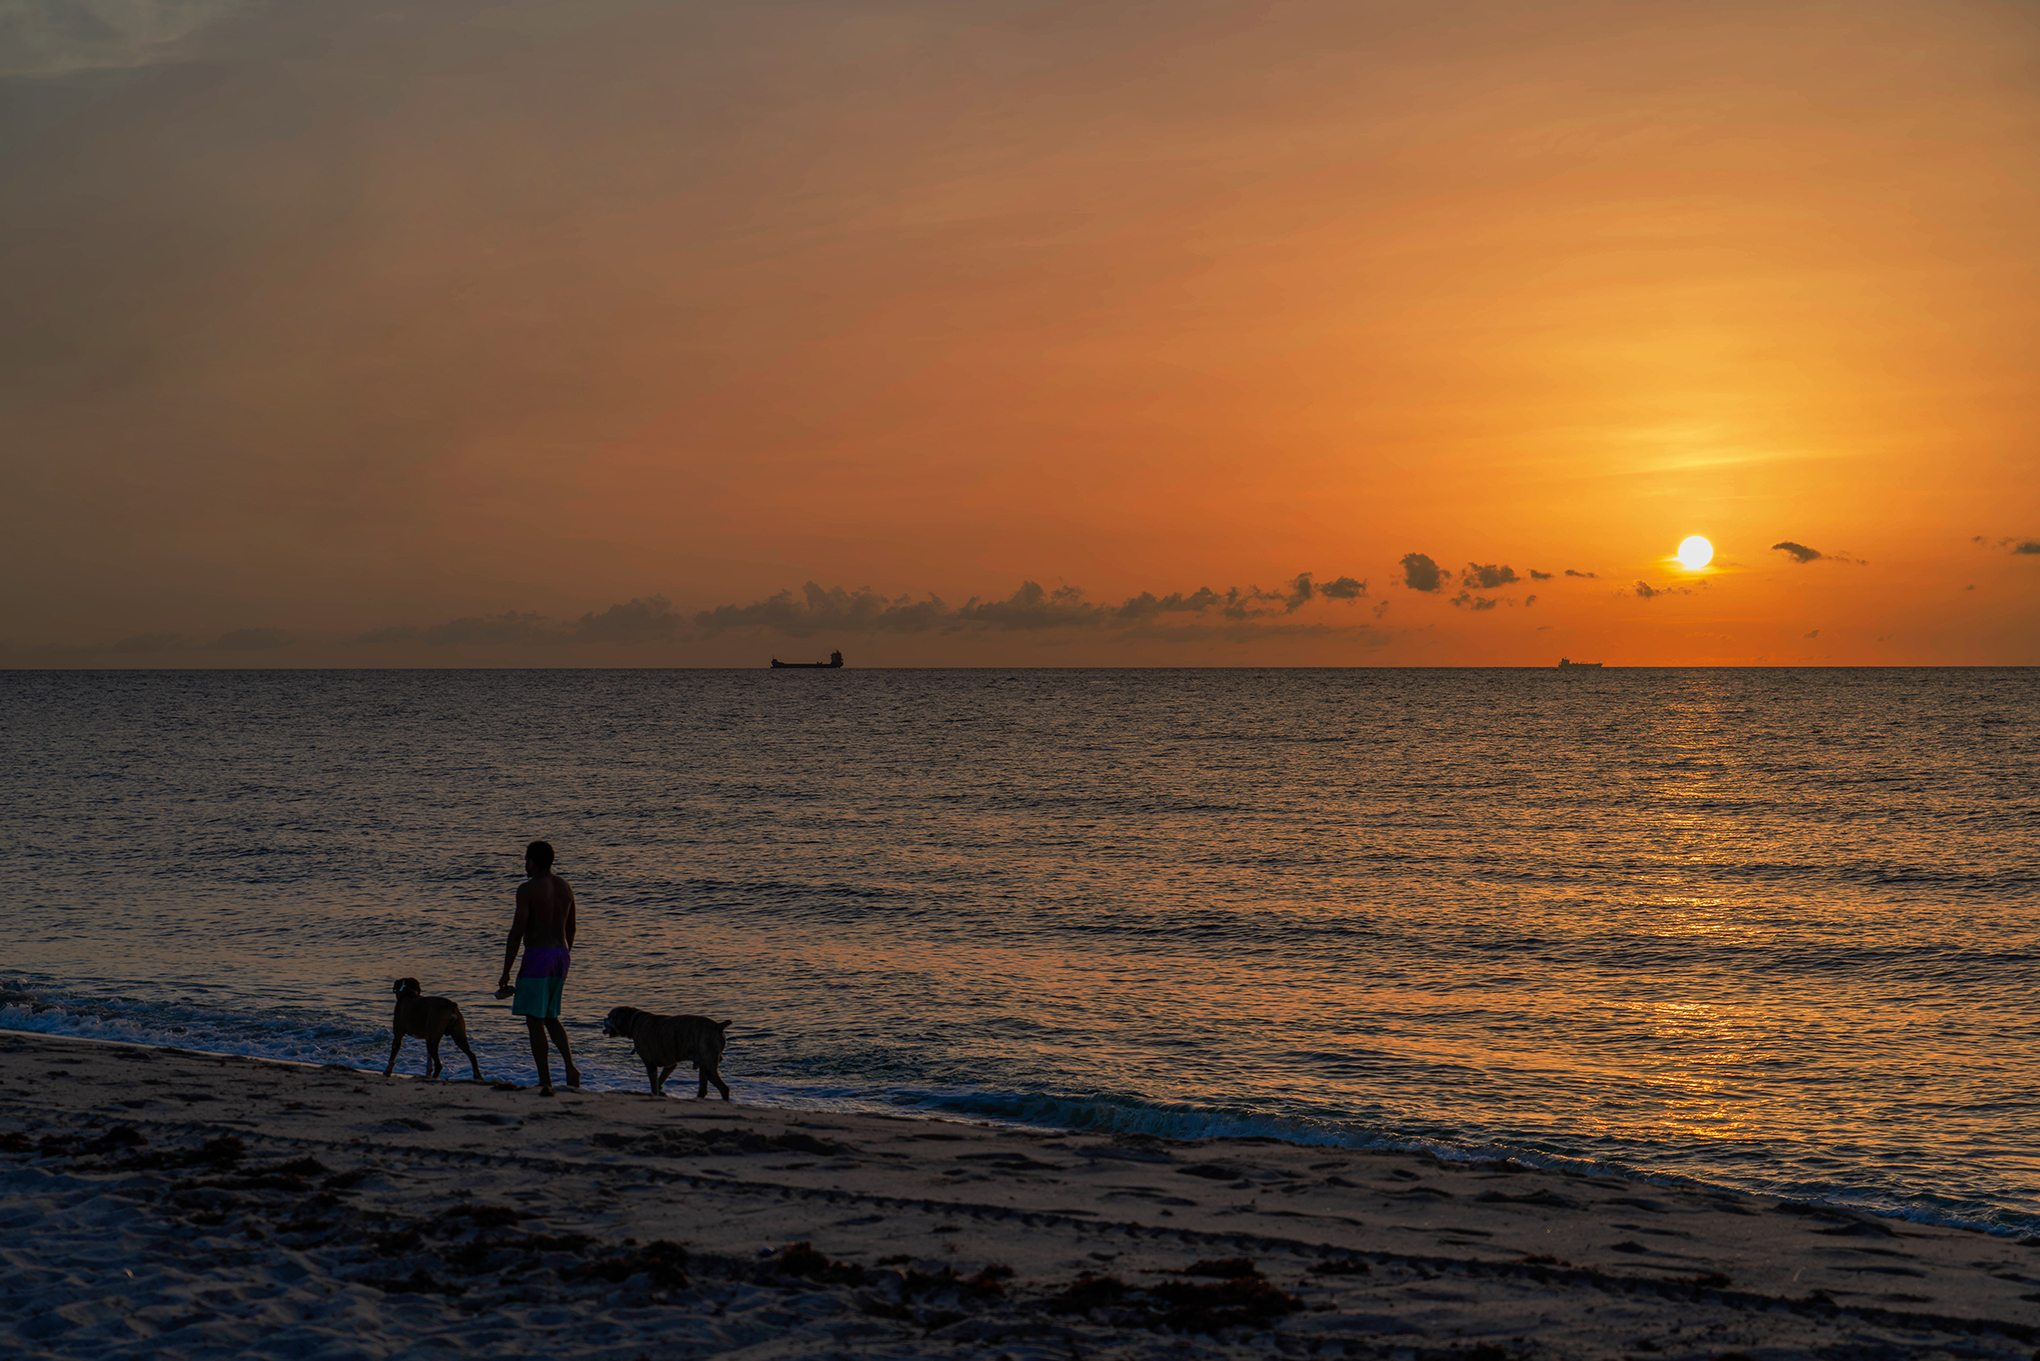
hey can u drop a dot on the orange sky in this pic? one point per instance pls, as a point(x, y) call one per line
point(355, 333)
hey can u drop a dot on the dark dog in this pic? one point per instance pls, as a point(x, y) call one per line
point(428, 1018)
point(664, 1041)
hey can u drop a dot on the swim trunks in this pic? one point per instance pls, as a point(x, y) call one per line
point(541, 979)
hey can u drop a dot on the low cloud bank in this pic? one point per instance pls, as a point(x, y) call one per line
point(1031, 608)
point(1234, 614)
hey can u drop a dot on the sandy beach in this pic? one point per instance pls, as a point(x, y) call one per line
point(166, 1203)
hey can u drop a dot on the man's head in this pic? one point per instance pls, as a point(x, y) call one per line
point(538, 857)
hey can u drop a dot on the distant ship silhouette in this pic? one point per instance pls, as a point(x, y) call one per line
point(835, 660)
point(1563, 662)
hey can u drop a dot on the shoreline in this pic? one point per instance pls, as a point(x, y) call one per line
point(173, 1203)
point(1271, 1129)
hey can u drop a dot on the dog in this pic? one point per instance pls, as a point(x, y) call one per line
point(428, 1018)
point(663, 1042)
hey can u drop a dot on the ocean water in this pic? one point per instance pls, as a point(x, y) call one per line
point(1766, 929)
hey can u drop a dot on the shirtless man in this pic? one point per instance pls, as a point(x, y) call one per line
point(544, 926)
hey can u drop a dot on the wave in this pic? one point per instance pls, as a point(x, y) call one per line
point(286, 1034)
point(1130, 1115)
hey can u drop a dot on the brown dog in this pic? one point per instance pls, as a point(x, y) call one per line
point(663, 1041)
point(428, 1018)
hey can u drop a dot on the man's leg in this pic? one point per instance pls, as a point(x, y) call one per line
point(559, 1037)
point(538, 1054)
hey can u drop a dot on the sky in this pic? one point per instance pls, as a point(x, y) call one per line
point(618, 333)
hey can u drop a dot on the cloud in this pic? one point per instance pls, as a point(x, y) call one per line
point(2020, 546)
point(1421, 574)
point(1302, 591)
point(1800, 553)
point(1586, 575)
point(1146, 603)
point(1474, 602)
point(1488, 577)
point(1646, 591)
point(814, 610)
point(1536, 575)
point(1343, 588)
point(1529, 600)
point(56, 37)
point(250, 640)
point(649, 619)
point(818, 610)
point(1814, 634)
point(2027, 547)
point(1031, 608)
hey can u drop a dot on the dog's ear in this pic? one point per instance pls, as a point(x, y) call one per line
point(722, 1025)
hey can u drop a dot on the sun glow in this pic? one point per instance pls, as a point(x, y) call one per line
point(1695, 553)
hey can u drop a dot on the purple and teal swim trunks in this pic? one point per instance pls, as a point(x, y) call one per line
point(540, 981)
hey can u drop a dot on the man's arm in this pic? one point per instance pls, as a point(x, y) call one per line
point(569, 932)
point(516, 939)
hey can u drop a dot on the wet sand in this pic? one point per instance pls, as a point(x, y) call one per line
point(169, 1204)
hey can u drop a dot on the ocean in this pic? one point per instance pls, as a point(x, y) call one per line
point(1765, 929)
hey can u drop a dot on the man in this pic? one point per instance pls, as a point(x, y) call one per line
point(544, 926)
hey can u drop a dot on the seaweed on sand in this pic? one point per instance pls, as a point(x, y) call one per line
point(1238, 1296)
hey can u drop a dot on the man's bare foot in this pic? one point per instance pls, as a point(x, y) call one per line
point(546, 1090)
point(573, 1077)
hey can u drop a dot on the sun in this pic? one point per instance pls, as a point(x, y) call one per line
point(1695, 553)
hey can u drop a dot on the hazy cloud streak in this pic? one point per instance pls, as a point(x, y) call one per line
point(57, 37)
